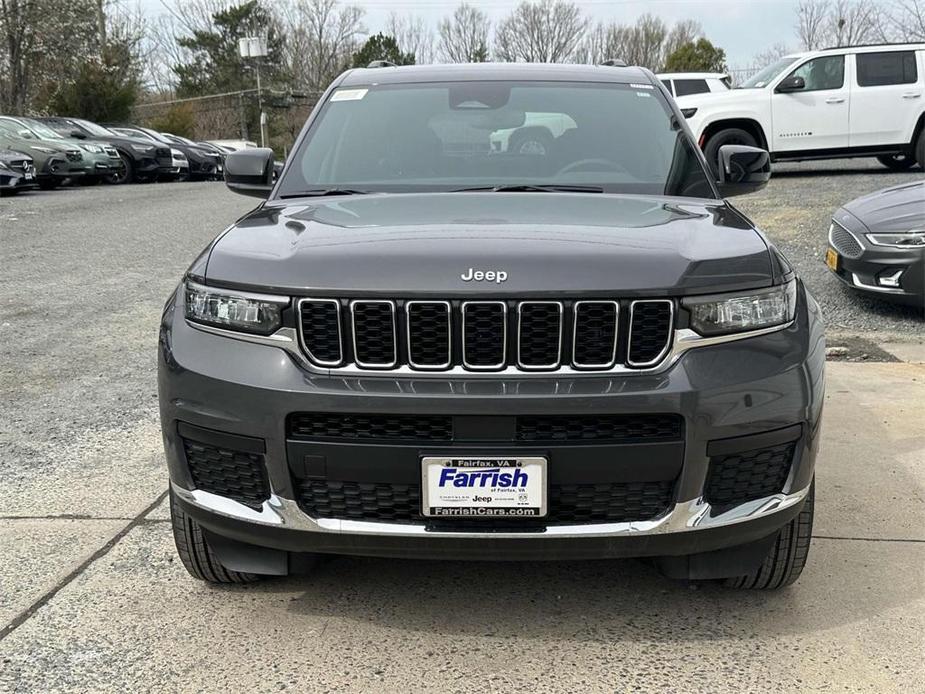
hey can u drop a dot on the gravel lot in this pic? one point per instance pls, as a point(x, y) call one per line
point(92, 598)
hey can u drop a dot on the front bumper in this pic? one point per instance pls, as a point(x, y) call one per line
point(864, 274)
point(738, 389)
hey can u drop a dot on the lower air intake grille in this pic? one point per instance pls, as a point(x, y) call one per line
point(844, 242)
point(614, 503)
point(233, 474)
point(736, 478)
point(599, 428)
point(346, 427)
point(650, 331)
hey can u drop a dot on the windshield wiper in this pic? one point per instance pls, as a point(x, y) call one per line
point(321, 192)
point(530, 188)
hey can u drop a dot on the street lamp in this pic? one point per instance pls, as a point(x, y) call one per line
point(256, 47)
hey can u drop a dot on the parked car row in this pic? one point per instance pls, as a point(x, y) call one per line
point(52, 151)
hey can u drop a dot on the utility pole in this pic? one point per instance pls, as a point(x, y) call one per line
point(256, 47)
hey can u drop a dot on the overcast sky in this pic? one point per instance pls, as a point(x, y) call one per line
point(741, 27)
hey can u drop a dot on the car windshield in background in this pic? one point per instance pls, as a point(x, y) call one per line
point(93, 128)
point(761, 78)
point(614, 138)
point(43, 130)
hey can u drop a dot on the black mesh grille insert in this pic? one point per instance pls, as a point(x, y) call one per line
point(539, 334)
point(650, 331)
point(844, 242)
point(600, 428)
point(234, 474)
point(595, 336)
point(321, 331)
point(484, 334)
point(619, 502)
point(429, 334)
point(394, 427)
point(740, 477)
point(374, 333)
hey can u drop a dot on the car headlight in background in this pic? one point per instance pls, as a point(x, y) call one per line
point(144, 149)
point(4, 167)
point(95, 149)
point(899, 239)
point(722, 314)
point(46, 150)
point(233, 310)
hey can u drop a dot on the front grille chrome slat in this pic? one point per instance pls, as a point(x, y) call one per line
point(539, 335)
point(650, 326)
point(484, 335)
point(320, 331)
point(429, 334)
point(595, 334)
point(375, 343)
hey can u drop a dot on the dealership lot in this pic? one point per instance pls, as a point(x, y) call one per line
point(92, 596)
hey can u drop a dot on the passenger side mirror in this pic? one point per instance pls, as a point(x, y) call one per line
point(250, 172)
point(743, 169)
point(791, 84)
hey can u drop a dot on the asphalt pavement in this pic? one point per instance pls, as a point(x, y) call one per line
point(92, 597)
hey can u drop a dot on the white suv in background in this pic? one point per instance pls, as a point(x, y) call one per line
point(686, 83)
point(838, 102)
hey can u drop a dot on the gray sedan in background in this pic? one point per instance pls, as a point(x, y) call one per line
point(877, 244)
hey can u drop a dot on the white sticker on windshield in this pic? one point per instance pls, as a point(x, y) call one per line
point(348, 94)
point(641, 86)
point(644, 94)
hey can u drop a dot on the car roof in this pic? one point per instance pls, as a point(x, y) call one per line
point(466, 72)
point(691, 75)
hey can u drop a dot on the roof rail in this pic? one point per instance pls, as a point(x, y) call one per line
point(613, 62)
point(381, 63)
point(873, 45)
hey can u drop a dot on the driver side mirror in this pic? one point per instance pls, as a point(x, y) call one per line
point(250, 172)
point(791, 84)
point(77, 134)
point(743, 169)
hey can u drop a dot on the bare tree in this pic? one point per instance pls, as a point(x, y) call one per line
point(812, 23)
point(413, 35)
point(463, 38)
point(684, 31)
point(544, 31)
point(853, 22)
point(322, 35)
point(648, 42)
point(905, 20)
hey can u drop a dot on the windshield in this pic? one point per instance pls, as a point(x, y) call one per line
point(618, 138)
point(93, 128)
point(43, 130)
point(16, 128)
point(761, 78)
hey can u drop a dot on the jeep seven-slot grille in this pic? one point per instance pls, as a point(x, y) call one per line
point(486, 335)
point(618, 502)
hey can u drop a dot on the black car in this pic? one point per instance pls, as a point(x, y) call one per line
point(416, 346)
point(142, 159)
point(204, 164)
point(17, 172)
point(877, 244)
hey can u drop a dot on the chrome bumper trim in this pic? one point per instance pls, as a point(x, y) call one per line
point(684, 517)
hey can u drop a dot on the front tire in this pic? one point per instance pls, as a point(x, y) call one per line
point(196, 555)
point(784, 563)
point(729, 136)
point(920, 148)
point(897, 162)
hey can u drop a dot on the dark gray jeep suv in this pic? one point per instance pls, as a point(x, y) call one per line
point(421, 345)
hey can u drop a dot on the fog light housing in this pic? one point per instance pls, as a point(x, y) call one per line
point(890, 278)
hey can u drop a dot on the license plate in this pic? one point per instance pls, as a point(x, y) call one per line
point(484, 487)
point(27, 176)
point(831, 259)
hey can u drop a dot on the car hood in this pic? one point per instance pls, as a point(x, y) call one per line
point(25, 145)
point(900, 208)
point(397, 244)
point(12, 155)
point(728, 97)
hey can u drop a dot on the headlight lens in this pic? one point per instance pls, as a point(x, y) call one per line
point(721, 314)
point(902, 239)
point(95, 149)
point(143, 148)
point(226, 308)
point(46, 150)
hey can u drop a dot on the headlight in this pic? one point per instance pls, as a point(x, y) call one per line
point(46, 150)
point(901, 239)
point(4, 167)
point(721, 314)
point(95, 149)
point(226, 308)
point(143, 148)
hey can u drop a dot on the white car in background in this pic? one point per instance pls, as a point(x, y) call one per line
point(826, 104)
point(181, 163)
point(232, 145)
point(535, 136)
point(687, 83)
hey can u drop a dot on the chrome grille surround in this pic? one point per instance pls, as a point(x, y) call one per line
point(576, 309)
point(844, 241)
point(667, 345)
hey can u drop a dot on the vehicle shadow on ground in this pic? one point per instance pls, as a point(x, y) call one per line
point(597, 600)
